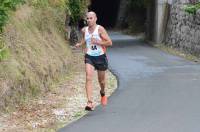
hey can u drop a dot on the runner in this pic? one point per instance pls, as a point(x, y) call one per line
point(96, 39)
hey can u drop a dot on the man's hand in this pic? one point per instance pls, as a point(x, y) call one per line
point(78, 45)
point(95, 41)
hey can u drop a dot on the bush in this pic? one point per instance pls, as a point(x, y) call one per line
point(76, 9)
point(5, 7)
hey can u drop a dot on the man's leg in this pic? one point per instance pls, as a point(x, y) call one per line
point(102, 80)
point(89, 75)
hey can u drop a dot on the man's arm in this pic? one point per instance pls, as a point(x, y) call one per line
point(106, 41)
point(82, 42)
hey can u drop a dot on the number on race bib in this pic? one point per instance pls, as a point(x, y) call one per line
point(94, 47)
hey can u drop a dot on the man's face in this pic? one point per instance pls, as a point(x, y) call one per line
point(91, 19)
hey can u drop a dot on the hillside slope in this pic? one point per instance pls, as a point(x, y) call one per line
point(38, 53)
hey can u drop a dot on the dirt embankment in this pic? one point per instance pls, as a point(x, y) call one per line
point(39, 55)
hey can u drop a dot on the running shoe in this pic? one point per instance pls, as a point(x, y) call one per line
point(104, 99)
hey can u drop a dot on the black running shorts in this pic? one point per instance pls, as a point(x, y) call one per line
point(100, 63)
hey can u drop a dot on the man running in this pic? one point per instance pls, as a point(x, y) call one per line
point(96, 39)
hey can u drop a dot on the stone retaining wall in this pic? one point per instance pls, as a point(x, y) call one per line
point(183, 30)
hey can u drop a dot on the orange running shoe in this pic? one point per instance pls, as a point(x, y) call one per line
point(104, 99)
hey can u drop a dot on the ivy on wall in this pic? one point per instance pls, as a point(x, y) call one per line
point(192, 8)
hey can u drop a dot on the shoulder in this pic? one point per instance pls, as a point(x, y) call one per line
point(101, 29)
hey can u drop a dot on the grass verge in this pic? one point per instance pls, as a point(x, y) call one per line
point(176, 52)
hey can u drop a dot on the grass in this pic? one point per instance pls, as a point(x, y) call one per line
point(177, 52)
point(4, 52)
point(37, 56)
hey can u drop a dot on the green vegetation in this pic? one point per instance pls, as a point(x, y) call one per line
point(36, 51)
point(76, 9)
point(192, 8)
point(48, 3)
point(5, 7)
point(33, 51)
point(4, 53)
point(3, 50)
point(177, 52)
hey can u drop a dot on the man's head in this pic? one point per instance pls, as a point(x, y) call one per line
point(91, 18)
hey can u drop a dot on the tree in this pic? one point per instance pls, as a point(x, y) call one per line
point(76, 9)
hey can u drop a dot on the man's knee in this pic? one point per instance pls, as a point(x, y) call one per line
point(102, 82)
point(89, 79)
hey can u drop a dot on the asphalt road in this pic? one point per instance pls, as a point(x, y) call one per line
point(157, 92)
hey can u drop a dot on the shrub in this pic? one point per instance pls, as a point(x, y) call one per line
point(192, 8)
point(76, 9)
point(5, 7)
